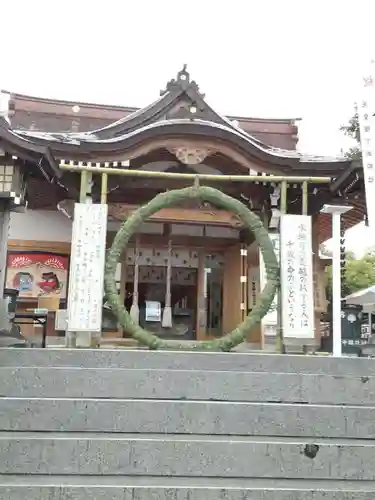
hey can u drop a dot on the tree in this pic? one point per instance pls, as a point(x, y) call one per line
point(352, 130)
point(359, 273)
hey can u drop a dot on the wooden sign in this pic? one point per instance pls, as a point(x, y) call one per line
point(297, 276)
point(203, 215)
point(87, 268)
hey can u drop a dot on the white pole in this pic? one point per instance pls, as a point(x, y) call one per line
point(370, 325)
point(336, 286)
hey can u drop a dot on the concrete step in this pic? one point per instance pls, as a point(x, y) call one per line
point(186, 456)
point(142, 425)
point(186, 417)
point(243, 362)
point(189, 384)
point(134, 488)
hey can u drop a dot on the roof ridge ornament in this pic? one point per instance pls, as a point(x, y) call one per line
point(182, 82)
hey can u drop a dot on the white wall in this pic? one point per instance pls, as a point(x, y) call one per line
point(40, 225)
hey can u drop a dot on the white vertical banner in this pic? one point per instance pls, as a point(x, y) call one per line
point(86, 276)
point(269, 321)
point(297, 276)
point(366, 111)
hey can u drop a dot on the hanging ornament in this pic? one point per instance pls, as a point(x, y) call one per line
point(134, 310)
point(344, 290)
point(167, 313)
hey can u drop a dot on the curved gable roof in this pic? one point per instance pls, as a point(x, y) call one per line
point(170, 116)
point(88, 144)
point(180, 91)
point(29, 149)
point(51, 115)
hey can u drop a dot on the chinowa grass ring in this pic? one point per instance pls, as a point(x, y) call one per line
point(170, 199)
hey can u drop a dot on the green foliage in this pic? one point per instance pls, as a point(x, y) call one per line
point(352, 130)
point(354, 153)
point(359, 273)
point(169, 199)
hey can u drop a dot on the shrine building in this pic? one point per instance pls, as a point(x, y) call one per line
point(178, 133)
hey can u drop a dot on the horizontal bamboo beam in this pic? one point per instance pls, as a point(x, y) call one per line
point(204, 177)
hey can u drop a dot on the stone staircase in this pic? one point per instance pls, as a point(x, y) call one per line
point(141, 425)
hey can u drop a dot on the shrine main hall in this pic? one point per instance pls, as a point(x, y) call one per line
point(196, 259)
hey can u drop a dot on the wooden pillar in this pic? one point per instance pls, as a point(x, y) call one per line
point(85, 339)
point(122, 291)
point(201, 297)
point(253, 292)
point(123, 273)
point(243, 281)
point(232, 288)
point(319, 280)
point(4, 230)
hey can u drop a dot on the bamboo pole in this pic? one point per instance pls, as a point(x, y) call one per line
point(304, 198)
point(84, 190)
point(83, 187)
point(207, 177)
point(284, 196)
point(104, 189)
point(280, 334)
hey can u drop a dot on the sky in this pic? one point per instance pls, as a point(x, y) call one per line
point(261, 58)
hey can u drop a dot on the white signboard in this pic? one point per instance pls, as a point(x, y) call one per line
point(87, 268)
point(366, 110)
point(297, 276)
point(269, 321)
point(153, 311)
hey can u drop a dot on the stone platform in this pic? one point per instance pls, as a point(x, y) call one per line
point(126, 425)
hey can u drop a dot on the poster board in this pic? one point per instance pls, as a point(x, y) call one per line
point(38, 274)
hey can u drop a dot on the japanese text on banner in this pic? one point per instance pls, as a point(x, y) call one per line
point(366, 110)
point(87, 268)
point(297, 276)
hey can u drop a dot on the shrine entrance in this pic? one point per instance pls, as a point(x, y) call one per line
point(152, 300)
point(196, 291)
